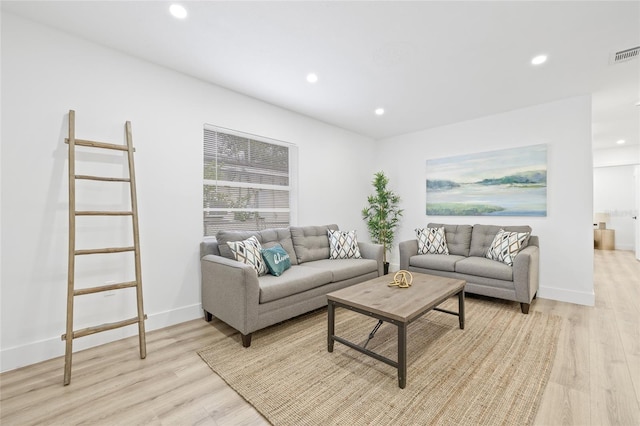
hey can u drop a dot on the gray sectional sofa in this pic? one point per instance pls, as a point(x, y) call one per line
point(234, 293)
point(467, 246)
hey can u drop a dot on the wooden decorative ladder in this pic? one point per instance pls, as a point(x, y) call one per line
point(71, 291)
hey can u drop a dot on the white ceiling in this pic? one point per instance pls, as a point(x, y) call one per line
point(427, 63)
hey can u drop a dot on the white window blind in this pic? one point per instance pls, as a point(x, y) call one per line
point(248, 181)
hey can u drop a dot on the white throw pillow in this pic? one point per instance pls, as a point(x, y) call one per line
point(506, 245)
point(249, 252)
point(343, 245)
point(432, 241)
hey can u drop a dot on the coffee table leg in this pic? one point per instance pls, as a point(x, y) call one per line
point(461, 309)
point(402, 355)
point(331, 327)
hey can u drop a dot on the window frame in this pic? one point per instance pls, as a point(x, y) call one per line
point(292, 188)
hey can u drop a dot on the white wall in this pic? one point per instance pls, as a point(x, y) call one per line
point(44, 74)
point(619, 156)
point(566, 236)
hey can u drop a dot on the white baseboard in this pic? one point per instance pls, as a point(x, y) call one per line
point(43, 350)
point(569, 296)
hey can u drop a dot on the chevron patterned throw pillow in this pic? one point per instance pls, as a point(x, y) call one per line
point(343, 245)
point(506, 245)
point(249, 252)
point(432, 241)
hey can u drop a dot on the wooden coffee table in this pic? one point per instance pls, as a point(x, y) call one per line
point(398, 306)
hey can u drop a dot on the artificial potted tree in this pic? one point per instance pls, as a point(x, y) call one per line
point(382, 215)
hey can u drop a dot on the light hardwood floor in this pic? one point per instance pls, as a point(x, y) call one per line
point(596, 375)
point(595, 378)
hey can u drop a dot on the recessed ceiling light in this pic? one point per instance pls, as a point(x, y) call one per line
point(312, 78)
point(620, 142)
point(379, 111)
point(539, 60)
point(638, 103)
point(178, 11)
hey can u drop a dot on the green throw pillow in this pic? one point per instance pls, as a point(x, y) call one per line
point(277, 259)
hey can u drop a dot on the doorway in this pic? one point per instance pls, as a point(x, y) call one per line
point(615, 195)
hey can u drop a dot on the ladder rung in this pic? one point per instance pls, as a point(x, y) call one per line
point(104, 250)
point(108, 287)
point(102, 178)
point(104, 327)
point(104, 145)
point(103, 213)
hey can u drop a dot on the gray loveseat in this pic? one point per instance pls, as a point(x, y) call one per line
point(467, 247)
point(234, 293)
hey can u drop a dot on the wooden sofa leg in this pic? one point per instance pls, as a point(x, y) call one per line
point(524, 307)
point(246, 340)
point(208, 316)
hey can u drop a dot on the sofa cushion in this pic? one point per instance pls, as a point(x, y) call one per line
point(344, 269)
point(343, 245)
point(296, 280)
point(458, 237)
point(483, 267)
point(224, 237)
point(249, 252)
point(277, 259)
point(482, 237)
point(435, 261)
point(431, 241)
point(506, 245)
point(311, 242)
point(281, 236)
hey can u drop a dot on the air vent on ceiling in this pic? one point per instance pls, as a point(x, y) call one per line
point(625, 55)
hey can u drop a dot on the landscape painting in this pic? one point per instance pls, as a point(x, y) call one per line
point(508, 182)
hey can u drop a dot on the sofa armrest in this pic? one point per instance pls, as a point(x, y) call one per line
point(230, 292)
point(373, 251)
point(407, 249)
point(526, 273)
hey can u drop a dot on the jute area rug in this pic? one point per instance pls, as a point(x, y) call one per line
point(492, 372)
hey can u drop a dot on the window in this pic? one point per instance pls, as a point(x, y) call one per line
point(249, 181)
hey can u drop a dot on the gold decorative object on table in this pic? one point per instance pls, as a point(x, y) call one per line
point(402, 279)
